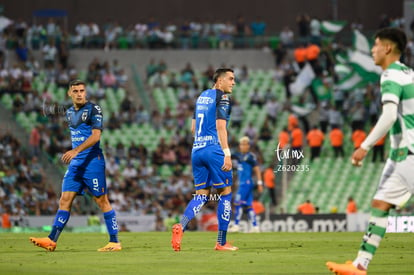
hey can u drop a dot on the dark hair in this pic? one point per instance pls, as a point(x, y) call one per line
point(219, 72)
point(76, 82)
point(395, 35)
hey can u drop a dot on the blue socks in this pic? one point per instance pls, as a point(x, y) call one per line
point(250, 212)
point(252, 216)
point(193, 208)
point(61, 218)
point(111, 225)
point(239, 213)
point(223, 216)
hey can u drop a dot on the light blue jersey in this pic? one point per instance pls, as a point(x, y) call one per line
point(207, 155)
point(211, 105)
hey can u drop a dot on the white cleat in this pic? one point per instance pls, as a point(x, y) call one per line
point(234, 228)
point(254, 229)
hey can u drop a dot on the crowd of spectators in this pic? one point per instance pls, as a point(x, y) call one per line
point(133, 171)
point(23, 188)
point(344, 126)
point(150, 33)
point(143, 34)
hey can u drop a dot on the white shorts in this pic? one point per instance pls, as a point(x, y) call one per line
point(397, 182)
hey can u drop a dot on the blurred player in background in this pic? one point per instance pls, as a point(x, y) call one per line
point(247, 164)
point(86, 168)
point(211, 157)
point(397, 182)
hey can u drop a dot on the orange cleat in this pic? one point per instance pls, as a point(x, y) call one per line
point(177, 235)
point(226, 247)
point(45, 243)
point(111, 247)
point(345, 269)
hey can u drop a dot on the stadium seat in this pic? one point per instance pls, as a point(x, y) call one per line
point(7, 101)
point(165, 171)
point(60, 94)
point(332, 181)
point(120, 94)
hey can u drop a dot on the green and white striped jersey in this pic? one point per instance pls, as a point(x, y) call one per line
point(397, 85)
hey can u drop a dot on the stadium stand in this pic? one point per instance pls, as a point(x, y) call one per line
point(154, 114)
point(330, 190)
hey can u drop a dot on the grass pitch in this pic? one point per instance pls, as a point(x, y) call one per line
point(151, 253)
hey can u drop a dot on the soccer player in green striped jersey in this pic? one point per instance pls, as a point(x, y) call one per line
point(397, 181)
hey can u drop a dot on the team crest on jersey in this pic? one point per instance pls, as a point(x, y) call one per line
point(84, 115)
point(225, 97)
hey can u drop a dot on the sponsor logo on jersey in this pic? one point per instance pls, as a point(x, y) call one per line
point(202, 108)
point(98, 118)
point(75, 139)
point(204, 138)
point(199, 145)
point(204, 100)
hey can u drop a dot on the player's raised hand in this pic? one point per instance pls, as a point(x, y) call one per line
point(68, 156)
point(358, 156)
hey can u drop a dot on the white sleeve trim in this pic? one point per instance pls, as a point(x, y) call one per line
point(383, 125)
point(390, 97)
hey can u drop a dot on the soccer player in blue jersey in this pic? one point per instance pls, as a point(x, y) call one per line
point(86, 168)
point(211, 157)
point(247, 164)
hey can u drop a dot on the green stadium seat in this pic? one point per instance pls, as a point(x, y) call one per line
point(7, 101)
point(82, 75)
point(120, 94)
point(60, 94)
point(165, 171)
point(330, 182)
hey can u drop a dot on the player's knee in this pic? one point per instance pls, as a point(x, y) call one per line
point(225, 191)
point(103, 203)
point(65, 205)
point(382, 205)
point(203, 192)
point(66, 200)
